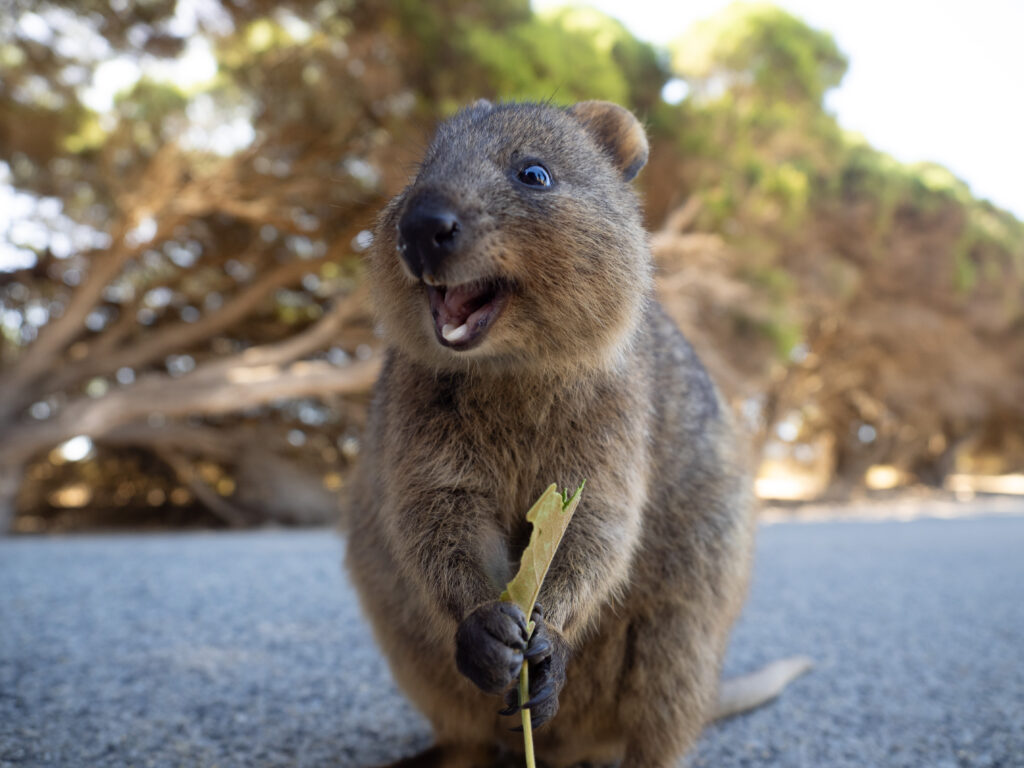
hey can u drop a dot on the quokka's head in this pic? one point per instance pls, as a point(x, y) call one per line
point(519, 242)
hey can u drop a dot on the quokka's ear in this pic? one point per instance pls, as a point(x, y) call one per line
point(617, 131)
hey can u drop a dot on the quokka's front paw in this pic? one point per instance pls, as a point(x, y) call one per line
point(489, 645)
point(548, 654)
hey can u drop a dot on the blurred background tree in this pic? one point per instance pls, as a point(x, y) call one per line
point(184, 333)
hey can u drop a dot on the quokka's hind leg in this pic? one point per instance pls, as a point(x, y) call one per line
point(669, 684)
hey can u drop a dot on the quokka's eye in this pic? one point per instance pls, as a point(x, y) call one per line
point(535, 176)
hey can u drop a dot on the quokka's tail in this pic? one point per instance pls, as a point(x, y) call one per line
point(740, 694)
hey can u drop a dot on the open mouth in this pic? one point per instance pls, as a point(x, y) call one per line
point(464, 313)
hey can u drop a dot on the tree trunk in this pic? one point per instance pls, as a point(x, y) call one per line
point(10, 484)
point(162, 342)
point(270, 486)
point(283, 491)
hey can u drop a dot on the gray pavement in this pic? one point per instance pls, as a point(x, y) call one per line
point(249, 650)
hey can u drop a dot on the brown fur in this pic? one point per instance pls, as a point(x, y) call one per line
point(582, 376)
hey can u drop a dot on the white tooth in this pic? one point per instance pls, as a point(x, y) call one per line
point(453, 334)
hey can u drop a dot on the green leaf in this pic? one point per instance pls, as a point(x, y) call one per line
point(550, 516)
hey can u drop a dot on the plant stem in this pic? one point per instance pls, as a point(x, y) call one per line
point(524, 696)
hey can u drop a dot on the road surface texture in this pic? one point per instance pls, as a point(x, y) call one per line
point(249, 650)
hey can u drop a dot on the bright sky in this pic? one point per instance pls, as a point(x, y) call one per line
point(940, 80)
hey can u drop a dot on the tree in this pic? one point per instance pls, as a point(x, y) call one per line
point(857, 304)
point(190, 271)
point(180, 274)
point(761, 52)
point(210, 266)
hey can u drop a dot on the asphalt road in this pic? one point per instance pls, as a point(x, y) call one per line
point(248, 650)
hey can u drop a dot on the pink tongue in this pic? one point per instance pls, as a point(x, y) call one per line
point(457, 299)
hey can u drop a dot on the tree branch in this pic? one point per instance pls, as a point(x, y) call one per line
point(212, 500)
point(158, 186)
point(317, 336)
point(159, 343)
point(212, 442)
point(236, 389)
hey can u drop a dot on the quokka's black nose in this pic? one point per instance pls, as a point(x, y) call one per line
point(428, 234)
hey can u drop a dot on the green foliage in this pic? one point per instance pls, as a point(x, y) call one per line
point(565, 56)
point(151, 101)
point(768, 161)
point(755, 125)
point(987, 236)
point(761, 51)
